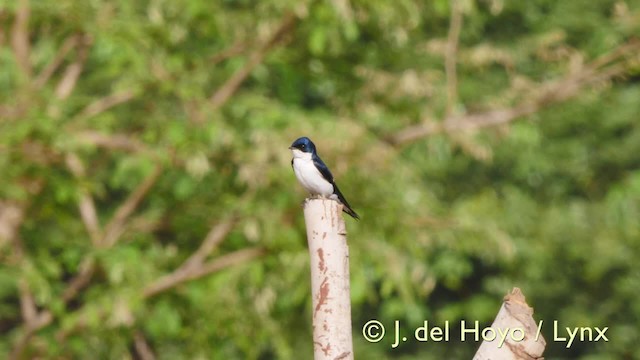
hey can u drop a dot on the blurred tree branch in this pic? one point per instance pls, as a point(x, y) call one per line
point(451, 55)
point(112, 233)
point(210, 243)
point(116, 226)
point(68, 81)
point(604, 68)
point(86, 270)
point(224, 92)
point(236, 49)
point(183, 274)
point(34, 320)
point(69, 44)
point(11, 216)
point(143, 349)
point(103, 104)
point(451, 73)
point(193, 267)
point(112, 141)
point(187, 273)
point(20, 38)
point(27, 304)
point(3, 35)
point(86, 205)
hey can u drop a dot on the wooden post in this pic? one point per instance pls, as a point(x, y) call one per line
point(514, 314)
point(330, 287)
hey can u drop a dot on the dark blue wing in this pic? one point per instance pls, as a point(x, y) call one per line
point(346, 207)
point(324, 170)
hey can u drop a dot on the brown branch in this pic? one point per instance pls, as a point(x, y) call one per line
point(546, 94)
point(181, 276)
point(86, 204)
point(115, 227)
point(39, 153)
point(34, 152)
point(236, 49)
point(27, 303)
point(68, 45)
point(195, 263)
point(3, 18)
point(112, 232)
point(20, 37)
point(213, 239)
point(224, 93)
point(89, 216)
point(629, 48)
point(9, 112)
point(43, 319)
point(450, 64)
point(28, 307)
point(11, 216)
point(43, 155)
point(103, 104)
point(142, 224)
point(142, 347)
point(111, 141)
point(88, 266)
point(80, 280)
point(451, 55)
point(73, 70)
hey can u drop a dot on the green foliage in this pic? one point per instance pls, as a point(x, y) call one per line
point(451, 222)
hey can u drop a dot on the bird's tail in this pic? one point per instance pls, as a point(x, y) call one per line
point(345, 205)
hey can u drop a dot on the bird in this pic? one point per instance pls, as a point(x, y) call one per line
point(314, 175)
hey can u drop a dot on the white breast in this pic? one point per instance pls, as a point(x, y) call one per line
point(309, 176)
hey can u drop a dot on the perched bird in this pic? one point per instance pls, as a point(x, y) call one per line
point(314, 175)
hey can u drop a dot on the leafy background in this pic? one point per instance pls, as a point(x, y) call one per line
point(148, 208)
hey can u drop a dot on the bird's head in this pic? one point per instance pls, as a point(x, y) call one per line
point(302, 145)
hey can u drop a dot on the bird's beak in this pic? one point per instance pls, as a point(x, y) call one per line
point(290, 147)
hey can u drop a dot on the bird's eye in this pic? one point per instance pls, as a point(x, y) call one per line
point(302, 146)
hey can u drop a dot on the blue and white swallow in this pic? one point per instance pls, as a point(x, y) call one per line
point(314, 175)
